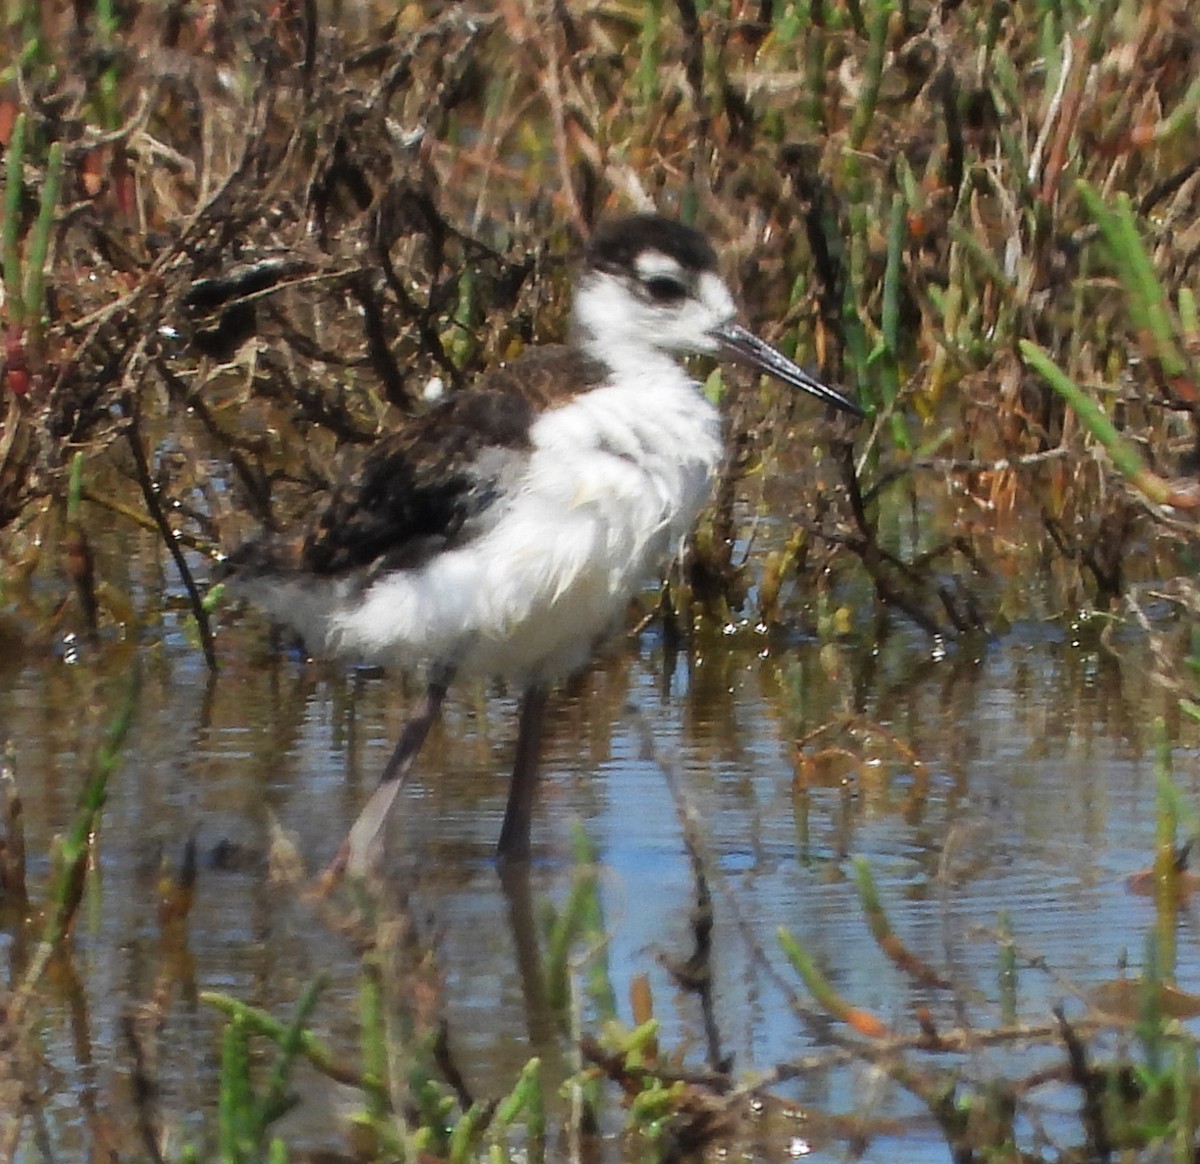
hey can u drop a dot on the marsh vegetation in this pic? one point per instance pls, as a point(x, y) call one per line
point(921, 695)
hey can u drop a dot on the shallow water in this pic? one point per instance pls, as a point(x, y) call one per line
point(1017, 776)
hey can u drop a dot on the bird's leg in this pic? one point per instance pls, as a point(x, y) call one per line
point(413, 734)
point(514, 836)
point(361, 844)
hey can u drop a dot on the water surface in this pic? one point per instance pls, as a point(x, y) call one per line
point(1007, 776)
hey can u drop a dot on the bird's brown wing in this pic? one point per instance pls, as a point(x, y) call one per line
point(435, 483)
point(424, 488)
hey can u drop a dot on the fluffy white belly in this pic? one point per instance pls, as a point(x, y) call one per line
point(614, 483)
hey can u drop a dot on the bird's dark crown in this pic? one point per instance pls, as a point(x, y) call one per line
point(617, 243)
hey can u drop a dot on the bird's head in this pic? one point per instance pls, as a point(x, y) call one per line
point(650, 285)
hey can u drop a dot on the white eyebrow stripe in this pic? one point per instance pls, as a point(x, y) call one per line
point(656, 265)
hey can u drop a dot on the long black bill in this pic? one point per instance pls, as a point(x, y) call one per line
point(746, 347)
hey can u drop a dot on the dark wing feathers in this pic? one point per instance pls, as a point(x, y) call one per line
point(430, 486)
point(420, 490)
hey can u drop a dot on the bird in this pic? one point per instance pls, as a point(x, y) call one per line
point(502, 532)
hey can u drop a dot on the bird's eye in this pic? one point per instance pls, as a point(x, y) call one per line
point(665, 290)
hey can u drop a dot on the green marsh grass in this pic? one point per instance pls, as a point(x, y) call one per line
point(39, 244)
point(10, 228)
point(992, 253)
point(25, 267)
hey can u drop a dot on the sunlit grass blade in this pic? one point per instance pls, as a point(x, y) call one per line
point(1166, 854)
point(76, 847)
point(526, 1098)
point(646, 80)
point(581, 918)
point(38, 246)
point(868, 97)
point(599, 983)
point(1124, 456)
point(1145, 296)
point(373, 1036)
point(1186, 1113)
point(566, 927)
point(464, 1139)
point(886, 357)
point(13, 873)
point(309, 1045)
point(1008, 977)
point(815, 66)
point(11, 226)
point(885, 936)
point(822, 990)
point(1151, 1016)
point(235, 1102)
point(276, 1101)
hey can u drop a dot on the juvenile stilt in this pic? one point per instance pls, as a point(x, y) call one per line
point(503, 531)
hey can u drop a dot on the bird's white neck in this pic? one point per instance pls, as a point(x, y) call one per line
point(628, 360)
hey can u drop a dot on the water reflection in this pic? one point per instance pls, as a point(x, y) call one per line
point(1011, 776)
